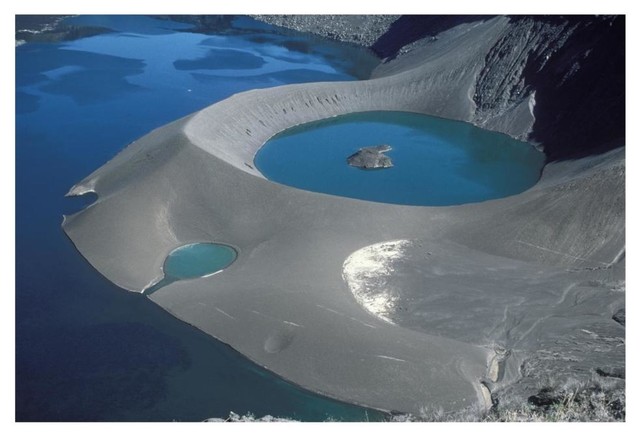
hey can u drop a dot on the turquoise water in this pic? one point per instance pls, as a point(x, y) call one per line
point(87, 350)
point(198, 260)
point(436, 161)
point(194, 260)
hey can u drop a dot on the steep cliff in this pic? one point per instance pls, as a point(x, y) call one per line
point(575, 68)
point(571, 69)
point(568, 70)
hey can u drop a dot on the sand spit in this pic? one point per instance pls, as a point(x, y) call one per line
point(284, 302)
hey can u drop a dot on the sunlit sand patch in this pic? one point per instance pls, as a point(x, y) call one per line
point(365, 271)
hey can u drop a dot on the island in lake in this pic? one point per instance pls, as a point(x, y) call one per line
point(371, 157)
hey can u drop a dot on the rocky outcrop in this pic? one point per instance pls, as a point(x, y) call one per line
point(574, 66)
point(371, 157)
point(615, 372)
point(364, 30)
point(51, 29)
point(619, 317)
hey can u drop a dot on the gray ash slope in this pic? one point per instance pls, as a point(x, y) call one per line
point(573, 66)
point(543, 270)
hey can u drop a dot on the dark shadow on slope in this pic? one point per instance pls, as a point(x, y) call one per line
point(580, 97)
point(410, 28)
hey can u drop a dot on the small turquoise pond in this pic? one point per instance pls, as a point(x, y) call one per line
point(195, 260)
point(436, 161)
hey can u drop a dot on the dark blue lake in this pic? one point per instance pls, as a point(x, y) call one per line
point(435, 161)
point(85, 349)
